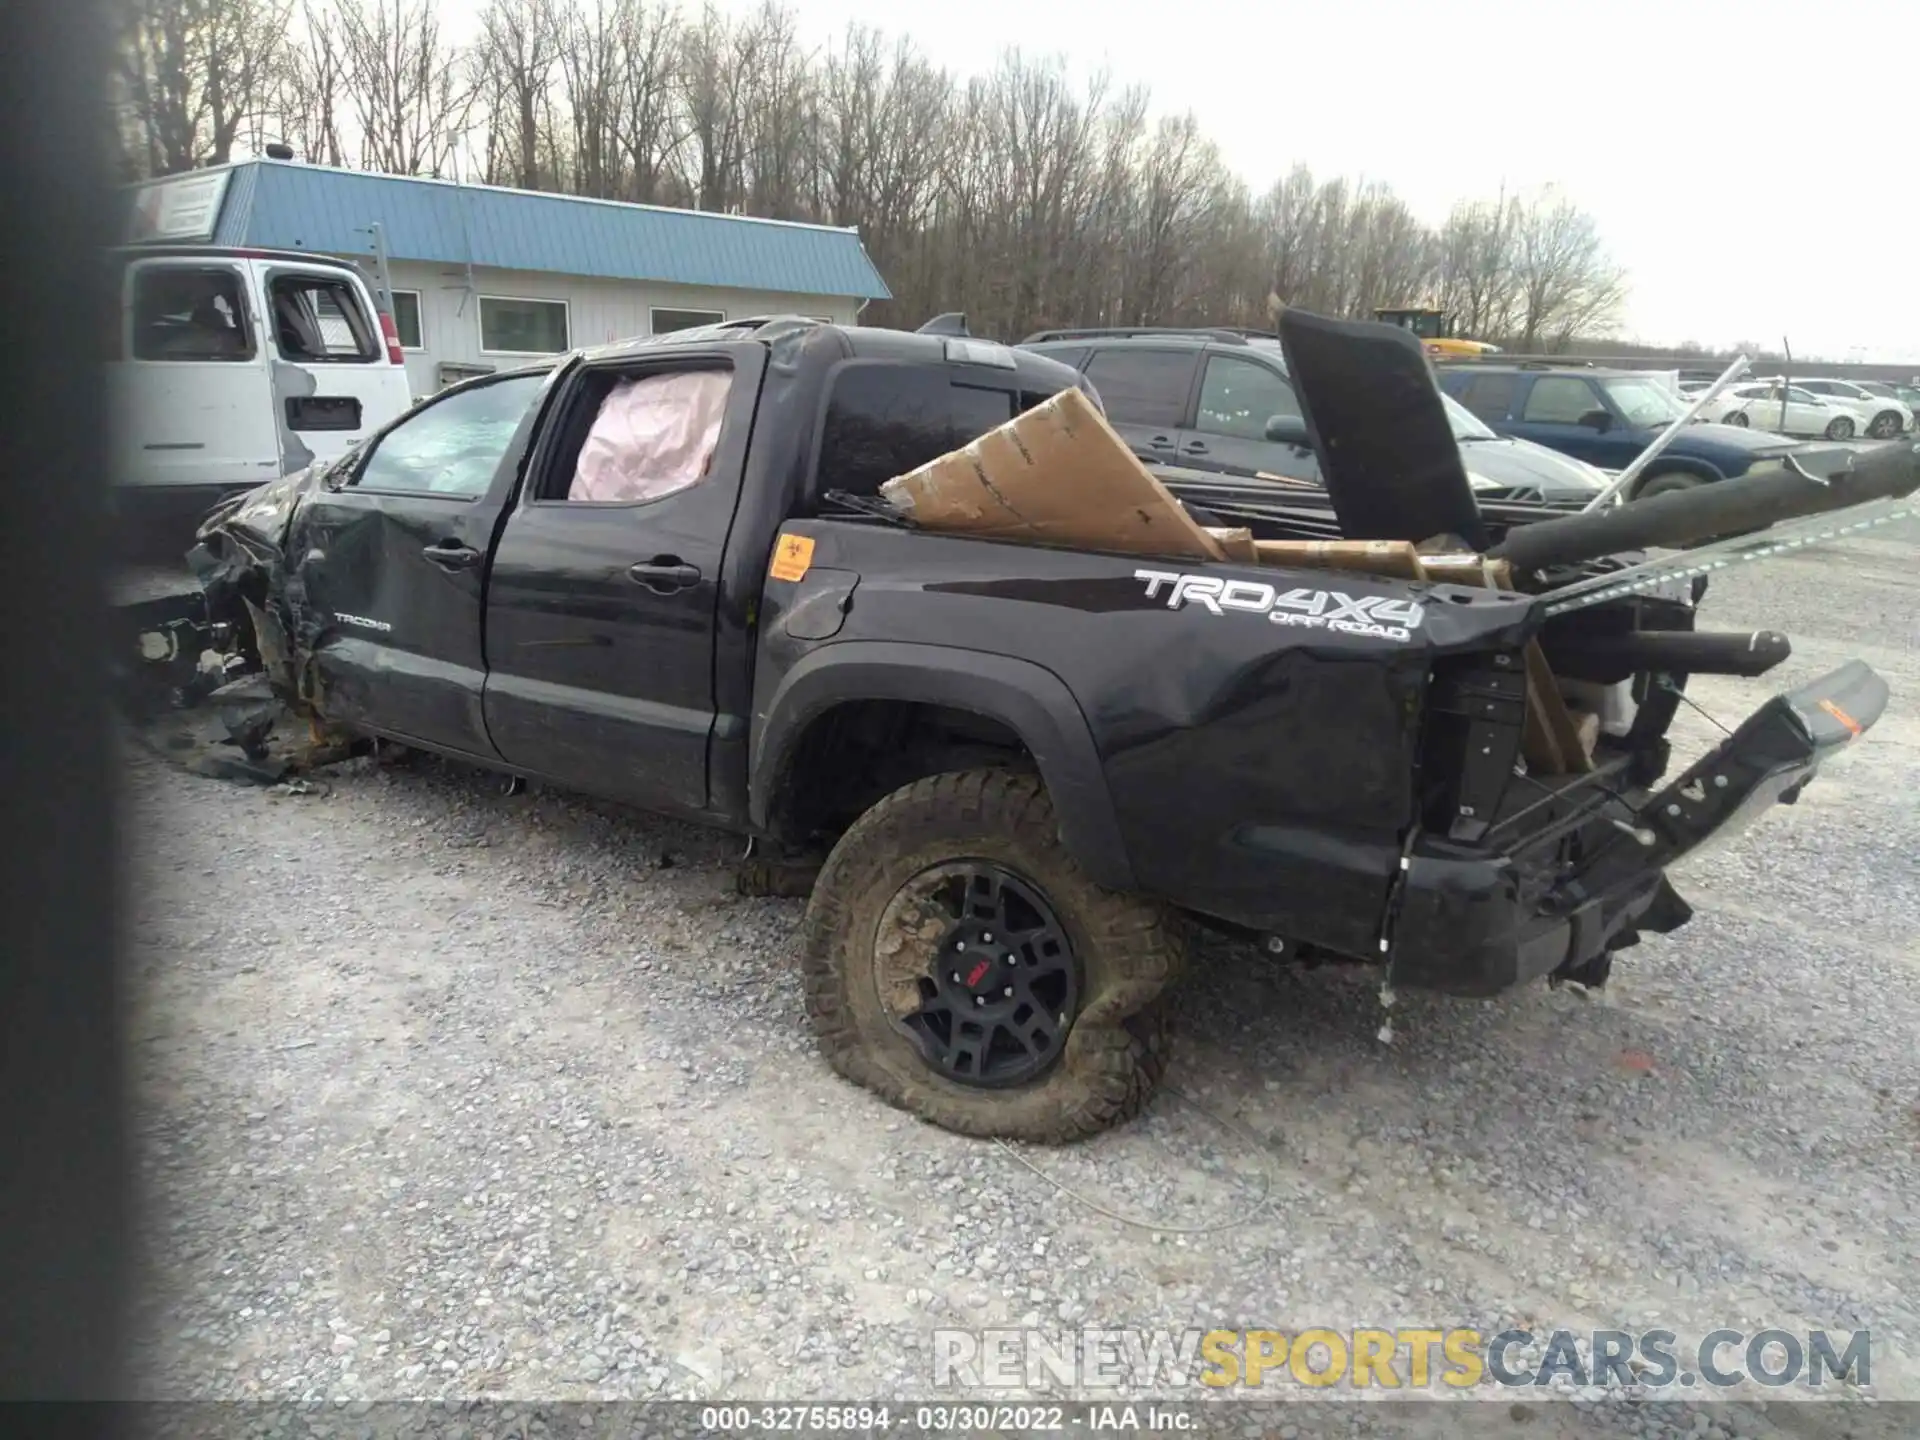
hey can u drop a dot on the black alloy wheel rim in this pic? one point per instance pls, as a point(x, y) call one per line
point(1000, 988)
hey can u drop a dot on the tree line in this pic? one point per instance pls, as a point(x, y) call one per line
point(1022, 197)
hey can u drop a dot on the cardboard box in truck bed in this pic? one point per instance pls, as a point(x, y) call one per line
point(1055, 475)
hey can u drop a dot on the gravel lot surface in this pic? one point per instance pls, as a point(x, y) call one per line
point(446, 1093)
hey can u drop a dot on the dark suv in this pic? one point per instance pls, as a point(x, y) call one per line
point(1208, 399)
point(1606, 417)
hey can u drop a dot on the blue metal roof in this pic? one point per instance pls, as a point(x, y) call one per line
point(279, 205)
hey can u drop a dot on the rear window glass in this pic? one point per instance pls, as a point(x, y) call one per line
point(318, 319)
point(189, 313)
point(1488, 396)
point(1143, 387)
point(884, 420)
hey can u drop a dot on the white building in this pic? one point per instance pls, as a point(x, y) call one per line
point(484, 278)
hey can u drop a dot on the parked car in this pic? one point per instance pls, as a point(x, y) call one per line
point(658, 573)
point(1204, 400)
point(232, 367)
point(1881, 416)
point(1606, 418)
point(1763, 405)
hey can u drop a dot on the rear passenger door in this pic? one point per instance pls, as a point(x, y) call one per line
point(1489, 396)
point(334, 380)
point(1146, 393)
point(603, 599)
point(1238, 397)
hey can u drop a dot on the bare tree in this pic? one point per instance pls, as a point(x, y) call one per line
point(310, 94)
point(780, 116)
point(1478, 259)
point(592, 52)
point(1567, 285)
point(717, 65)
point(1022, 196)
point(516, 55)
point(412, 92)
point(647, 124)
point(192, 75)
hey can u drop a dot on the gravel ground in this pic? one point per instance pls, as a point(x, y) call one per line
point(446, 1093)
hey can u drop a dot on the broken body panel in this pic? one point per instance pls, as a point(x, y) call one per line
point(1339, 747)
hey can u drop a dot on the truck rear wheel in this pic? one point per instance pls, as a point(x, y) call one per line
point(960, 965)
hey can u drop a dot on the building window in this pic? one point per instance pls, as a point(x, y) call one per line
point(665, 322)
point(522, 327)
point(406, 319)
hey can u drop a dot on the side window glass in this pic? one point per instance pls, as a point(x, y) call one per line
point(452, 446)
point(189, 313)
point(1560, 400)
point(652, 436)
point(1238, 398)
point(884, 420)
point(1489, 396)
point(1143, 387)
point(317, 319)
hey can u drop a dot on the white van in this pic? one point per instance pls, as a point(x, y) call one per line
point(234, 367)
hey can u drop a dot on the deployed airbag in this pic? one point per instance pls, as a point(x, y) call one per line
point(653, 435)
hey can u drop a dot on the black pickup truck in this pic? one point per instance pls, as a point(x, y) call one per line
point(660, 573)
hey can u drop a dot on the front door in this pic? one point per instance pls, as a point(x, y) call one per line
point(1238, 397)
point(606, 586)
point(392, 564)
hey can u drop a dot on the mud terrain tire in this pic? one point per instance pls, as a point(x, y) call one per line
point(1125, 950)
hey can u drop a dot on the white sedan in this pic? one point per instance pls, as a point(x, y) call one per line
point(1880, 416)
point(1797, 412)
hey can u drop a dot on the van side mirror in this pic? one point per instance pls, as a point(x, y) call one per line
point(1597, 420)
point(1289, 430)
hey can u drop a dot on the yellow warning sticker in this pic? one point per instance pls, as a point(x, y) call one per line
point(792, 557)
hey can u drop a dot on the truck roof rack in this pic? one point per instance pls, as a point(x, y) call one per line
point(1226, 334)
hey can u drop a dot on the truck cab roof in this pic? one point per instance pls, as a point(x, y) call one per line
point(1031, 371)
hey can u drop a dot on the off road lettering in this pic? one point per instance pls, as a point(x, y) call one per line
point(1381, 617)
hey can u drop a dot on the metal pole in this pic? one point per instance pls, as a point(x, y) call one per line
point(383, 296)
point(1640, 462)
point(1786, 382)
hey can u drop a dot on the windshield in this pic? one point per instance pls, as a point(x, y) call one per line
point(1644, 402)
point(1874, 387)
point(1466, 425)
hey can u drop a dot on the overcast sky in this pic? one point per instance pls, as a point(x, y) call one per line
point(1755, 165)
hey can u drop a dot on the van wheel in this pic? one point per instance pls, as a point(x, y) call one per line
point(1667, 482)
point(960, 965)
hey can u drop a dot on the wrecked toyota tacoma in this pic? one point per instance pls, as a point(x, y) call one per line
point(904, 610)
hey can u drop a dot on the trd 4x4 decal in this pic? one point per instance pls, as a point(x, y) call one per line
point(1379, 616)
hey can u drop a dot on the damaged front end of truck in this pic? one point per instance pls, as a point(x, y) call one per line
point(214, 664)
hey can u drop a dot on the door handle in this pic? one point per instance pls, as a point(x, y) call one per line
point(664, 574)
point(452, 555)
point(1160, 442)
point(1196, 447)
